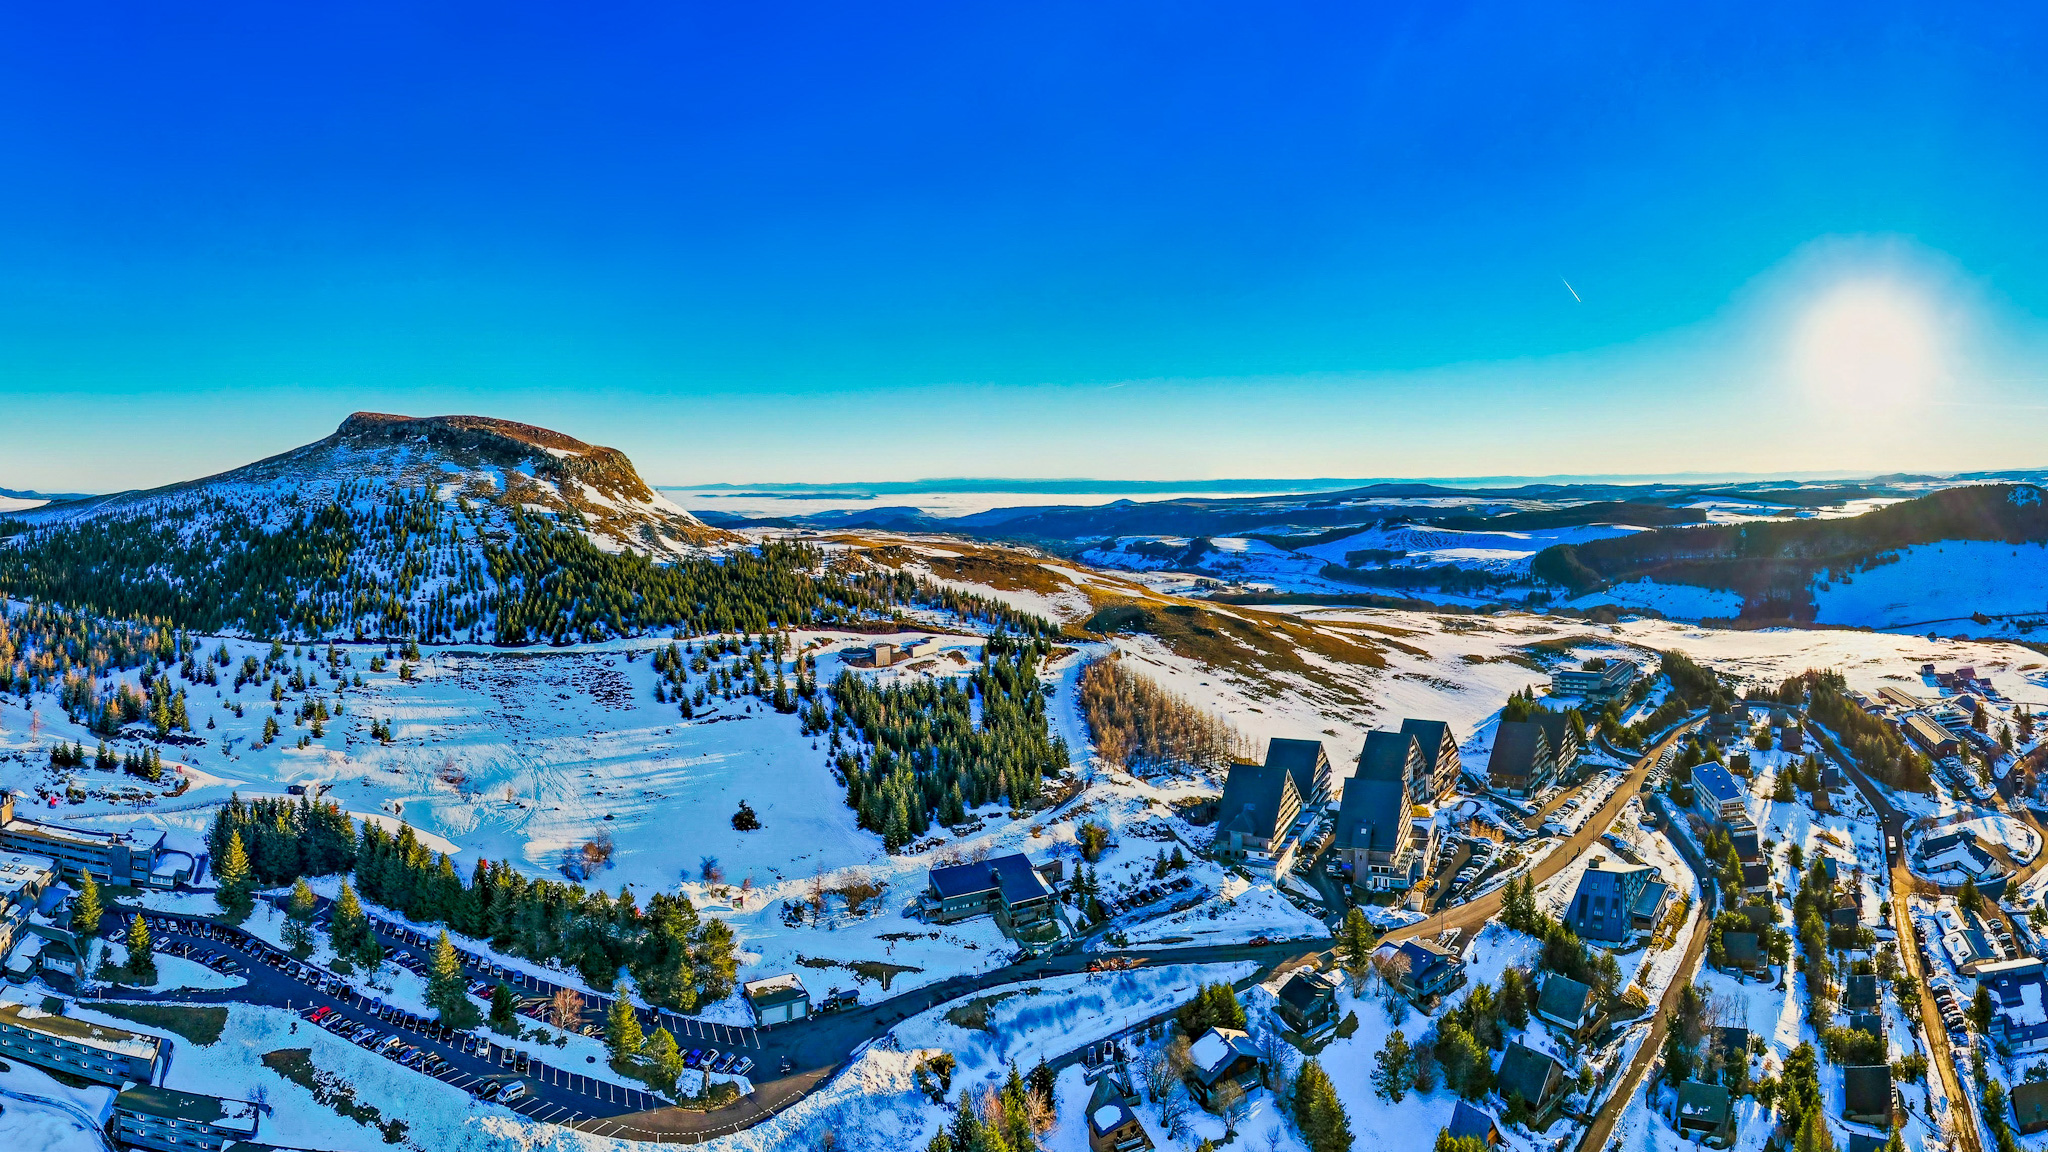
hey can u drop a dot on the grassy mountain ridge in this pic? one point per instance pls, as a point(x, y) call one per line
point(1774, 564)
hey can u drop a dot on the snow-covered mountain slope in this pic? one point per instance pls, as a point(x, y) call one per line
point(486, 462)
point(450, 527)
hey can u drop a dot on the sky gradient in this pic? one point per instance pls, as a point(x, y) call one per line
point(822, 243)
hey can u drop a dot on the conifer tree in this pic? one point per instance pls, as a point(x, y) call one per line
point(1317, 1111)
point(665, 1056)
point(445, 987)
point(86, 910)
point(1354, 944)
point(622, 1026)
point(504, 1009)
point(234, 896)
point(141, 967)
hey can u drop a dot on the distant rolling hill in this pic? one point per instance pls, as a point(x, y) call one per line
point(1776, 566)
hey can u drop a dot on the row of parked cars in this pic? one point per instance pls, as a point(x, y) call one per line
point(723, 1064)
point(1149, 894)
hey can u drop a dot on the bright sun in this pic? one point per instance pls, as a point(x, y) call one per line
point(1869, 344)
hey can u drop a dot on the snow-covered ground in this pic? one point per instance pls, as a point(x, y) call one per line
point(1678, 601)
point(1944, 582)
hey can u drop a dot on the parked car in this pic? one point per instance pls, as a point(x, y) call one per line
point(513, 1091)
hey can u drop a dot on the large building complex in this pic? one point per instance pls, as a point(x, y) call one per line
point(1268, 809)
point(1597, 682)
point(123, 859)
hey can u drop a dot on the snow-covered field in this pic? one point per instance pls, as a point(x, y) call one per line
point(1943, 582)
point(1678, 601)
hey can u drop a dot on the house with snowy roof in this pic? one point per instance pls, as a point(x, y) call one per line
point(2019, 1003)
point(1219, 1056)
point(1112, 1126)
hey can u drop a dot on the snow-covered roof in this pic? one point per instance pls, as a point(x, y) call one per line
point(84, 1032)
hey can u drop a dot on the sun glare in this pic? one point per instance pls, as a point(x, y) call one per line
point(1874, 343)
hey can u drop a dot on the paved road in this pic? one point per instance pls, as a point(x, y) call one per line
point(1933, 1030)
point(1475, 912)
point(1618, 1101)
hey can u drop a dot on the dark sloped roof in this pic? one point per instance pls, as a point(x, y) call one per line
point(1564, 998)
point(1372, 814)
point(1524, 1070)
point(1870, 1022)
point(1706, 1104)
point(1746, 847)
point(1469, 1121)
point(1303, 989)
point(1430, 736)
point(1517, 746)
point(1742, 949)
point(1300, 758)
point(1862, 992)
point(1734, 1041)
point(1011, 875)
point(1387, 756)
point(1251, 799)
point(1867, 1090)
point(2030, 1102)
point(1755, 875)
point(1557, 728)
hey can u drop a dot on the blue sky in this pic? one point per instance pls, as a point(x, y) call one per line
point(782, 242)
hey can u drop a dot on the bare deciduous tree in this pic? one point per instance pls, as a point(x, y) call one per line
point(1174, 1115)
point(566, 1008)
point(1159, 1074)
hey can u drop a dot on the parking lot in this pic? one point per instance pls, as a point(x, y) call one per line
point(472, 1061)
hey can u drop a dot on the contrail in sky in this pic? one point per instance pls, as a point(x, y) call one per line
point(1574, 291)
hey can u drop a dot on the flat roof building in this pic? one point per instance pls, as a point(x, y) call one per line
point(124, 859)
point(79, 1047)
point(167, 1120)
point(778, 999)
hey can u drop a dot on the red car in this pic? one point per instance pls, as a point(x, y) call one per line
point(1261, 941)
point(320, 1013)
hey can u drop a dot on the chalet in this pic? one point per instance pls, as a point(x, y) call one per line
point(1861, 994)
point(1525, 1072)
point(1441, 762)
point(1868, 1096)
point(1112, 1126)
point(1725, 728)
point(1307, 1001)
point(1255, 819)
point(1006, 887)
point(1706, 1113)
point(1747, 848)
point(1309, 767)
point(1792, 739)
point(2029, 1106)
point(1869, 1023)
point(1567, 1005)
point(1733, 1044)
point(1597, 682)
point(1613, 900)
point(1830, 777)
point(1220, 1055)
point(1424, 969)
point(1468, 1122)
point(1756, 878)
point(1743, 950)
point(1522, 760)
